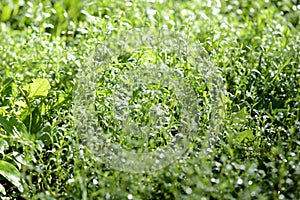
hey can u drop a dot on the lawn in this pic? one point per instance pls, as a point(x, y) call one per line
point(150, 99)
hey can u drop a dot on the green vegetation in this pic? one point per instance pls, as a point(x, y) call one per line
point(254, 44)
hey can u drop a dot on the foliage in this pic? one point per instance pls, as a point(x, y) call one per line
point(254, 44)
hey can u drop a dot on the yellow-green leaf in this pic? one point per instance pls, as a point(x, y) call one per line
point(6, 12)
point(244, 136)
point(240, 116)
point(39, 87)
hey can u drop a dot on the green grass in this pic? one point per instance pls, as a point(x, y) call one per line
point(255, 47)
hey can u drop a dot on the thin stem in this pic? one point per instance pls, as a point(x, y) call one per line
point(29, 108)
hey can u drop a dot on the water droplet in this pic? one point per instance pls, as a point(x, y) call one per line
point(130, 196)
point(107, 196)
point(188, 190)
point(213, 180)
point(240, 181)
point(71, 180)
point(228, 167)
point(95, 182)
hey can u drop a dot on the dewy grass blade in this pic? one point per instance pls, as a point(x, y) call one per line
point(138, 141)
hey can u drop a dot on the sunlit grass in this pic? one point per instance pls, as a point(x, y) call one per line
point(255, 47)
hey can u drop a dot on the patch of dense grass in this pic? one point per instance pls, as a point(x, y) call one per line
point(254, 44)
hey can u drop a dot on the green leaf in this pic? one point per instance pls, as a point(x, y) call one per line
point(2, 189)
point(45, 138)
point(6, 12)
point(244, 136)
point(39, 87)
point(13, 126)
point(11, 173)
point(3, 146)
point(240, 116)
point(7, 85)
